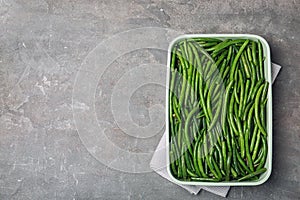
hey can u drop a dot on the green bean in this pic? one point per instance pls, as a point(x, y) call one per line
point(173, 75)
point(207, 68)
point(237, 58)
point(197, 58)
point(211, 141)
point(256, 70)
point(247, 87)
point(253, 138)
point(187, 91)
point(215, 165)
point(265, 91)
point(253, 92)
point(208, 105)
point(253, 43)
point(188, 162)
point(179, 134)
point(183, 165)
point(228, 164)
point(229, 55)
point(234, 174)
point(227, 136)
point(193, 82)
point(218, 45)
point(174, 171)
point(218, 133)
point(205, 179)
point(210, 166)
point(195, 129)
point(253, 81)
point(237, 83)
point(231, 119)
point(249, 53)
point(241, 137)
point(263, 115)
point(174, 150)
point(265, 150)
point(202, 101)
point(191, 173)
point(225, 73)
point(245, 54)
point(203, 60)
point(177, 149)
point(250, 114)
point(171, 119)
point(224, 153)
point(186, 132)
point(219, 151)
point(179, 172)
point(221, 46)
point(182, 94)
point(186, 52)
point(234, 52)
point(258, 172)
point(256, 146)
point(171, 93)
point(236, 96)
point(177, 158)
point(247, 111)
point(248, 156)
point(242, 162)
point(196, 86)
point(186, 112)
point(216, 93)
point(246, 67)
point(205, 145)
point(199, 162)
point(221, 58)
point(190, 54)
point(241, 105)
point(234, 156)
point(175, 110)
point(222, 68)
point(206, 39)
point(260, 156)
point(208, 45)
point(260, 60)
point(216, 115)
point(257, 100)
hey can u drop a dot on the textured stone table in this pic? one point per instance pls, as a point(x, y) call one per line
point(42, 47)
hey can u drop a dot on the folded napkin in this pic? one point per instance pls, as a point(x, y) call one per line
point(158, 161)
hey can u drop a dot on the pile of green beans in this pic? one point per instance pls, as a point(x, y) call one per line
point(217, 110)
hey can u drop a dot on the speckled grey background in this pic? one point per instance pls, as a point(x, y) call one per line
point(42, 46)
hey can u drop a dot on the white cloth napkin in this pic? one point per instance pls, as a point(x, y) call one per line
point(158, 161)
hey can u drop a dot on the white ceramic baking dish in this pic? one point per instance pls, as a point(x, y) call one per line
point(267, 64)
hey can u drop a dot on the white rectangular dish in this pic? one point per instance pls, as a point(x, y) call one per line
point(267, 73)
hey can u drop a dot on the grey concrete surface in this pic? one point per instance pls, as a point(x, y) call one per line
point(42, 47)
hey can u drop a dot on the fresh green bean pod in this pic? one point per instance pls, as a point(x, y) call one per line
point(200, 156)
point(257, 104)
point(253, 138)
point(248, 155)
point(265, 152)
point(233, 67)
point(253, 43)
point(256, 147)
point(260, 60)
point(258, 172)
